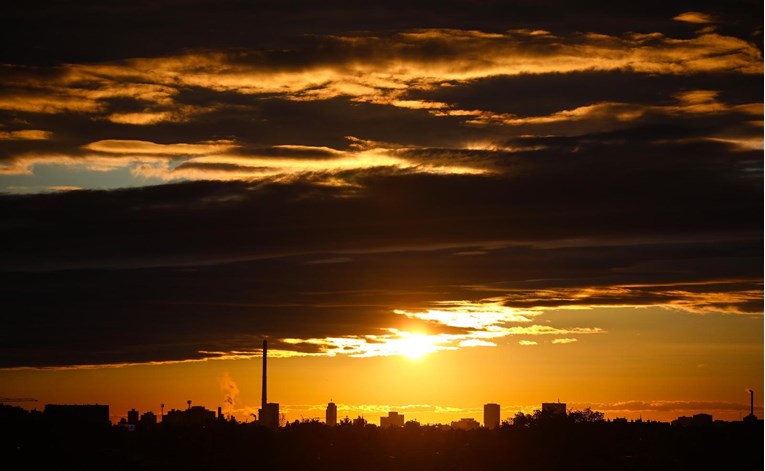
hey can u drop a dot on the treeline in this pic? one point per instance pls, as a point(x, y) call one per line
point(539, 442)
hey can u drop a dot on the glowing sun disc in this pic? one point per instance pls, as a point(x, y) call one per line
point(416, 345)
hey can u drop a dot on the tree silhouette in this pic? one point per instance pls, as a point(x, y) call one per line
point(522, 420)
point(586, 415)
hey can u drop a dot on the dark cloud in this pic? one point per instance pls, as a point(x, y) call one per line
point(634, 225)
point(46, 31)
point(599, 191)
point(103, 316)
point(635, 182)
point(543, 94)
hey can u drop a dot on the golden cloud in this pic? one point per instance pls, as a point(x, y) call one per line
point(226, 160)
point(49, 102)
point(112, 154)
point(715, 296)
point(25, 135)
point(481, 323)
point(398, 63)
point(129, 147)
point(548, 330)
point(142, 118)
point(253, 166)
point(695, 17)
point(469, 315)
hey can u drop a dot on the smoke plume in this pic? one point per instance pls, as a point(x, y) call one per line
point(228, 386)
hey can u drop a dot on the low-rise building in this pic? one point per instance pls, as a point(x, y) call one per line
point(394, 419)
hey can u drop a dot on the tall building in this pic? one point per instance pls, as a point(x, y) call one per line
point(394, 419)
point(331, 414)
point(268, 414)
point(491, 416)
point(554, 408)
point(132, 417)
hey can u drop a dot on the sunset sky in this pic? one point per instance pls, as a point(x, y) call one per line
point(423, 206)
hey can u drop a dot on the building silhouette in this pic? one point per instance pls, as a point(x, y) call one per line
point(173, 418)
point(198, 415)
point(467, 423)
point(698, 420)
point(148, 419)
point(751, 417)
point(491, 416)
point(193, 416)
point(554, 408)
point(394, 419)
point(132, 417)
point(359, 421)
point(268, 414)
point(331, 416)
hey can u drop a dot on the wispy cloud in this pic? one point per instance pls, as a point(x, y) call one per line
point(695, 17)
point(711, 296)
point(670, 406)
point(143, 147)
point(25, 135)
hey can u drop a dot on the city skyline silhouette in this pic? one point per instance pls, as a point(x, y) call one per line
point(269, 416)
point(80, 437)
point(464, 232)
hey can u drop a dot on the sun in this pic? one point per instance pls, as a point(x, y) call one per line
point(416, 346)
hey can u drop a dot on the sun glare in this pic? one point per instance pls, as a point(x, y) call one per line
point(416, 346)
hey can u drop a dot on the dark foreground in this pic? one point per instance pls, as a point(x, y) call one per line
point(313, 446)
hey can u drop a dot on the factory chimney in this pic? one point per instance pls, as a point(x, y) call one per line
point(751, 402)
point(751, 417)
point(268, 414)
point(264, 400)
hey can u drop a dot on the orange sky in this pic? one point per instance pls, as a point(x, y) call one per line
point(423, 209)
point(660, 364)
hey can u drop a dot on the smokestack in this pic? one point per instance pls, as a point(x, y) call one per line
point(265, 366)
point(751, 402)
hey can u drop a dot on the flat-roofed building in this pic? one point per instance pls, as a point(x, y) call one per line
point(554, 408)
point(132, 417)
point(394, 419)
point(268, 416)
